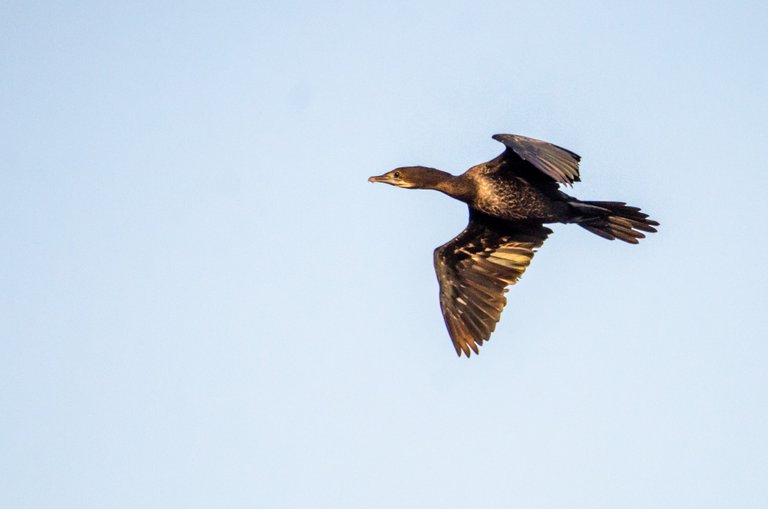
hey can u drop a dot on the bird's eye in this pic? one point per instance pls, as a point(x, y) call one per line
point(396, 174)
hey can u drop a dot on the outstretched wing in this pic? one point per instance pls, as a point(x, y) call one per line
point(474, 270)
point(559, 164)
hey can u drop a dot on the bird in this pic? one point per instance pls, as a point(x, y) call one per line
point(510, 199)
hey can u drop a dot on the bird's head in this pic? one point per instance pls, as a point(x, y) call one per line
point(418, 177)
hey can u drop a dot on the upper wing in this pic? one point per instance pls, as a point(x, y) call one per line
point(560, 164)
point(474, 270)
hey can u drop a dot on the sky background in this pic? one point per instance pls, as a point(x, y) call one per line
point(203, 303)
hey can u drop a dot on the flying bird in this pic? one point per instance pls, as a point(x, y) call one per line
point(510, 198)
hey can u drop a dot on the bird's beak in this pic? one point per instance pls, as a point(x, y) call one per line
point(380, 178)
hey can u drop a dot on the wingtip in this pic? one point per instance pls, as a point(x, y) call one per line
point(466, 348)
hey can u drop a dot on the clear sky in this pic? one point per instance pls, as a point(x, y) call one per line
point(203, 303)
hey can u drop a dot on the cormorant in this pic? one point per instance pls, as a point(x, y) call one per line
point(510, 198)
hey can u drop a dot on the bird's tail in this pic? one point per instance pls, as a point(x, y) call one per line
point(613, 220)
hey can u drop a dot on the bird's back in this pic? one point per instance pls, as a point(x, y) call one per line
point(509, 195)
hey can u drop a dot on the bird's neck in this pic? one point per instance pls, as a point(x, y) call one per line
point(455, 187)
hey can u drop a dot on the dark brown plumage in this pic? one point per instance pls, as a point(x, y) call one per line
point(510, 198)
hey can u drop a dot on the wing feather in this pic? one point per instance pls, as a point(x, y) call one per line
point(474, 270)
point(558, 163)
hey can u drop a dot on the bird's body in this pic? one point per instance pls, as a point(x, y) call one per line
point(513, 198)
point(510, 198)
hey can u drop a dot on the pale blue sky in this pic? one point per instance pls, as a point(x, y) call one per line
point(203, 303)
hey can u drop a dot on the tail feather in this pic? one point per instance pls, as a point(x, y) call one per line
point(613, 220)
